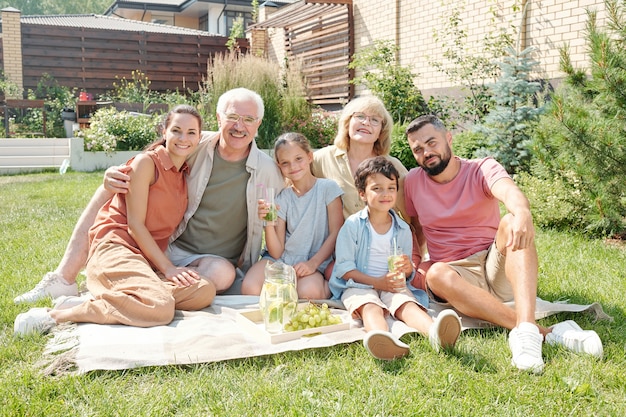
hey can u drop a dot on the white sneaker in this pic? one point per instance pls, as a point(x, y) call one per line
point(445, 330)
point(574, 338)
point(51, 285)
point(384, 345)
point(35, 320)
point(65, 302)
point(525, 343)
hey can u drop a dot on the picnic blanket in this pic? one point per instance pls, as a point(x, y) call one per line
point(212, 335)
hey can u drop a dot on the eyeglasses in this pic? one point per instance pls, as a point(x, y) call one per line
point(234, 118)
point(362, 117)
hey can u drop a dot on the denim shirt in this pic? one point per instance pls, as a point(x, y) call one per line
point(353, 247)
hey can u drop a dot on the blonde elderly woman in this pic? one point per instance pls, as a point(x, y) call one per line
point(364, 131)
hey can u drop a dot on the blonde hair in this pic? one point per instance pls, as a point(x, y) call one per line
point(371, 106)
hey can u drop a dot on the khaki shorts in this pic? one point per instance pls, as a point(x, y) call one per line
point(390, 302)
point(484, 269)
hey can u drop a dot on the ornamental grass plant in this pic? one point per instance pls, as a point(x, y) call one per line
point(38, 212)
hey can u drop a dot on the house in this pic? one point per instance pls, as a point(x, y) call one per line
point(412, 24)
point(317, 36)
point(90, 52)
point(325, 34)
point(214, 16)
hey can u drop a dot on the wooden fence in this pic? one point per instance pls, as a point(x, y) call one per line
point(91, 59)
point(323, 44)
point(318, 38)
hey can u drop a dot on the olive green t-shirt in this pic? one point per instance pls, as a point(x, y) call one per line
point(219, 225)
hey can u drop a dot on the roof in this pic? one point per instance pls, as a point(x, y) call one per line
point(94, 21)
point(149, 4)
point(178, 6)
point(179, 3)
point(300, 11)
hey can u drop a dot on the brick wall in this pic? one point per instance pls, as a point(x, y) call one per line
point(12, 41)
point(548, 26)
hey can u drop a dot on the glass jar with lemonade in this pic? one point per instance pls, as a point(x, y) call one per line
point(279, 297)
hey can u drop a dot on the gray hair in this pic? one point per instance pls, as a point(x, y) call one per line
point(240, 94)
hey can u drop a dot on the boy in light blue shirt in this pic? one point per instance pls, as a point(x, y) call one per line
point(361, 276)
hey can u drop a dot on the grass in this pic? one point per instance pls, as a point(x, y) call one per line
point(38, 211)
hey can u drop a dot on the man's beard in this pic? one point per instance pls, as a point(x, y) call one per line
point(435, 170)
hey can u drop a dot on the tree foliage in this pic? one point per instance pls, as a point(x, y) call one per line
point(52, 7)
point(390, 82)
point(509, 124)
point(236, 32)
point(471, 68)
point(582, 140)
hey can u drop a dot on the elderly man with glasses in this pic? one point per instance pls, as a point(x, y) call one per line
point(220, 231)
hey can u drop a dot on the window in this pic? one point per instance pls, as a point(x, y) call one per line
point(231, 16)
point(203, 22)
point(163, 19)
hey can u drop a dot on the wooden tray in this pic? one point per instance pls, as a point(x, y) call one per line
point(253, 321)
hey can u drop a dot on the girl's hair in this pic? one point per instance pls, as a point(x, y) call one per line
point(293, 137)
point(371, 106)
point(372, 166)
point(167, 119)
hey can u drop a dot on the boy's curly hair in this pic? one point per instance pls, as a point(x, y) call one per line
point(371, 166)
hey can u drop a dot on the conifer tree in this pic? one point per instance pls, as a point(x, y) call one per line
point(581, 142)
point(509, 124)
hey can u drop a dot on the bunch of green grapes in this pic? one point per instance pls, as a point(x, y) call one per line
point(312, 315)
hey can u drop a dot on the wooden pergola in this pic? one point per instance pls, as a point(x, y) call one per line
point(320, 35)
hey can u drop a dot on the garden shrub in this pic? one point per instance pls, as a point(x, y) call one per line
point(581, 140)
point(554, 203)
point(57, 98)
point(392, 83)
point(467, 143)
point(112, 131)
point(133, 90)
point(233, 70)
point(320, 127)
point(282, 90)
point(400, 146)
point(201, 100)
point(295, 109)
point(236, 31)
point(472, 68)
point(8, 88)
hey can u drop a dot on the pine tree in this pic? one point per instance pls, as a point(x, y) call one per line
point(509, 124)
point(582, 140)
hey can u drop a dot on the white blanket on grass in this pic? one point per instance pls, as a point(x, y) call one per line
point(212, 335)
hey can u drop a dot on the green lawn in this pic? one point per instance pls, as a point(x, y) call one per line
point(38, 211)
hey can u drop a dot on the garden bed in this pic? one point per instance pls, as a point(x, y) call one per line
point(86, 161)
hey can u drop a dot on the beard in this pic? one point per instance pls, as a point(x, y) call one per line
point(437, 169)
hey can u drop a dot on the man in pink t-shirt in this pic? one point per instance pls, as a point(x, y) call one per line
point(477, 260)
